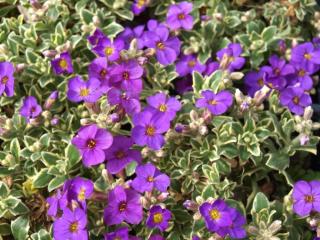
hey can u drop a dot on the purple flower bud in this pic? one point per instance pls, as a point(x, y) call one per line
point(51, 99)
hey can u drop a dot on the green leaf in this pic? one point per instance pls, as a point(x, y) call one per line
point(86, 15)
point(278, 161)
point(125, 14)
point(130, 168)
point(4, 190)
point(72, 155)
point(15, 148)
point(49, 159)
point(20, 228)
point(198, 81)
point(113, 29)
point(41, 235)
point(213, 81)
point(42, 179)
point(56, 182)
point(269, 33)
point(5, 229)
point(260, 202)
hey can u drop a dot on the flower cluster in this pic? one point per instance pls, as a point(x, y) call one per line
point(292, 80)
point(68, 207)
point(120, 128)
point(223, 219)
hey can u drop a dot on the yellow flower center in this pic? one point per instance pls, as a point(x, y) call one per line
point(213, 102)
point(163, 108)
point(296, 100)
point(120, 154)
point(108, 51)
point(260, 82)
point(63, 64)
point(214, 214)
point(191, 63)
point(307, 56)
point(84, 92)
point(277, 71)
point(117, 238)
point(309, 198)
point(181, 16)
point(141, 3)
point(103, 72)
point(4, 80)
point(157, 218)
point(302, 73)
point(270, 85)
point(122, 206)
point(82, 194)
point(160, 45)
point(91, 143)
point(150, 179)
point(74, 227)
point(125, 75)
point(150, 131)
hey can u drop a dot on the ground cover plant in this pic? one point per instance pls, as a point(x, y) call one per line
point(159, 119)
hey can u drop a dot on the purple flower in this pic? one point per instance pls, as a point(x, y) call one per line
point(276, 74)
point(95, 37)
point(229, 57)
point(139, 6)
point(306, 197)
point(148, 130)
point(295, 99)
point(71, 225)
point(128, 75)
point(91, 141)
point(51, 99)
point(99, 69)
point(148, 177)
point(216, 215)
point(178, 16)
point(80, 189)
point(305, 54)
point(62, 64)
point(210, 68)
point(158, 218)
point(108, 49)
point(119, 234)
point(56, 202)
point(217, 104)
point(302, 78)
point(156, 237)
point(254, 81)
point(127, 100)
point(120, 154)
point(88, 91)
point(129, 34)
point(187, 64)
point(195, 238)
point(163, 106)
point(236, 229)
point(6, 78)
point(30, 108)
point(167, 49)
point(184, 85)
point(123, 205)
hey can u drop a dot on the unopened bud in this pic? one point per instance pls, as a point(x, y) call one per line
point(203, 130)
point(236, 75)
point(50, 53)
point(308, 112)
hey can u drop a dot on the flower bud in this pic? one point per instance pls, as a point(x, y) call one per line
point(50, 53)
point(236, 75)
point(308, 112)
point(203, 130)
